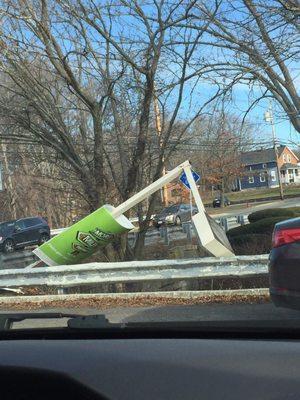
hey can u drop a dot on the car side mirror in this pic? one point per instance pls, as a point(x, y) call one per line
point(17, 229)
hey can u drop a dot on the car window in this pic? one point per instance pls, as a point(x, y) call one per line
point(184, 207)
point(172, 209)
point(6, 225)
point(31, 222)
point(20, 224)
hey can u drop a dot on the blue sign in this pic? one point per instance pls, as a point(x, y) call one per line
point(183, 179)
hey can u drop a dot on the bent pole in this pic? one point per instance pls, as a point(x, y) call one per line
point(153, 187)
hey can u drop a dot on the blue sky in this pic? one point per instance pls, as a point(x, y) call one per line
point(285, 132)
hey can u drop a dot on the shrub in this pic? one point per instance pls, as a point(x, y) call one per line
point(250, 244)
point(264, 226)
point(274, 212)
point(296, 210)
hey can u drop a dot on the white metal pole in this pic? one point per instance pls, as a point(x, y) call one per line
point(193, 186)
point(191, 204)
point(153, 187)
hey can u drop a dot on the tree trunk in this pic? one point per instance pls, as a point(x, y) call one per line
point(222, 193)
point(98, 171)
point(142, 137)
point(91, 192)
point(144, 226)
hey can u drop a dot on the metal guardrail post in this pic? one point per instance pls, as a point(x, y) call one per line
point(241, 219)
point(224, 223)
point(166, 236)
point(62, 291)
point(189, 232)
point(162, 231)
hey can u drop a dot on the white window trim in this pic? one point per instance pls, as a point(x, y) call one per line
point(273, 176)
point(288, 157)
point(251, 179)
point(284, 158)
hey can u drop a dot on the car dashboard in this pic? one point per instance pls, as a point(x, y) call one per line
point(166, 368)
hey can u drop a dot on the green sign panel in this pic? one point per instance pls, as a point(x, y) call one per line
point(83, 238)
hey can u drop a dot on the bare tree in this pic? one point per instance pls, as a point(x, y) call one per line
point(255, 43)
point(79, 77)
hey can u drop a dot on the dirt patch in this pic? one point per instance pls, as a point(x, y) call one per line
point(98, 302)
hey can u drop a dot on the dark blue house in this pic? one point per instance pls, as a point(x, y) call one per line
point(260, 169)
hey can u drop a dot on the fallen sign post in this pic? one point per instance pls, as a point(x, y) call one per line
point(99, 228)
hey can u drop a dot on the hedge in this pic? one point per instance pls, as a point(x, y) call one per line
point(250, 244)
point(274, 212)
point(264, 226)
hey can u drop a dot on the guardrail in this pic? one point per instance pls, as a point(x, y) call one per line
point(136, 271)
point(18, 259)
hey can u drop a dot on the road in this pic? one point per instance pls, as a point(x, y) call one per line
point(205, 312)
point(243, 209)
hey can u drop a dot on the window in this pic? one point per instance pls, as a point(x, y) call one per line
point(262, 177)
point(184, 207)
point(31, 222)
point(171, 209)
point(296, 172)
point(288, 158)
point(251, 179)
point(273, 176)
point(284, 158)
point(7, 226)
point(264, 166)
point(19, 225)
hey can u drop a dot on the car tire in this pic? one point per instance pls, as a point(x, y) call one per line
point(177, 221)
point(9, 246)
point(44, 238)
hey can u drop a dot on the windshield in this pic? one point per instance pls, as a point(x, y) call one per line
point(6, 226)
point(150, 159)
point(171, 209)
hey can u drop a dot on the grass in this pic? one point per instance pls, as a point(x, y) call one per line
point(256, 194)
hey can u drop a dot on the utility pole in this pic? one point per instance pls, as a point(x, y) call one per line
point(269, 118)
point(164, 191)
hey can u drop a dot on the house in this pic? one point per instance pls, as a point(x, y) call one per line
point(261, 169)
point(177, 193)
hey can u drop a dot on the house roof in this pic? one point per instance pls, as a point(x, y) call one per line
point(260, 156)
point(289, 165)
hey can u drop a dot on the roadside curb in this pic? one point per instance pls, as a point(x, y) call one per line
point(107, 300)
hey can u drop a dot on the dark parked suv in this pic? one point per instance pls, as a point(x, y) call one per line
point(23, 232)
point(217, 202)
